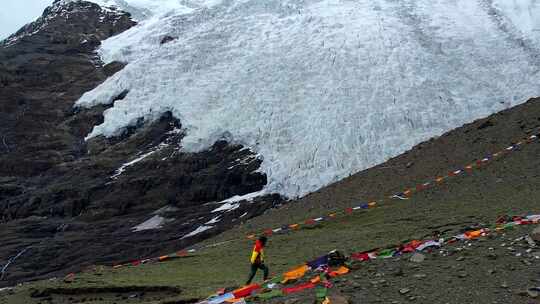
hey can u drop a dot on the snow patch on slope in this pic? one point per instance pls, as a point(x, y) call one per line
point(233, 203)
point(200, 229)
point(155, 222)
point(142, 157)
point(322, 88)
point(213, 221)
point(227, 207)
point(124, 166)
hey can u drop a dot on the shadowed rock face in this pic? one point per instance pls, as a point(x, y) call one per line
point(43, 68)
point(67, 200)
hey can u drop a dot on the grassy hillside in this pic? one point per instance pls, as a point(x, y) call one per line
point(509, 185)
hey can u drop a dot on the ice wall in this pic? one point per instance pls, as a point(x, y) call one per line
point(322, 88)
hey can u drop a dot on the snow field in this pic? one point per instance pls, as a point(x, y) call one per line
point(321, 89)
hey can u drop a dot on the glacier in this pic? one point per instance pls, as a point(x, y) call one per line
point(319, 89)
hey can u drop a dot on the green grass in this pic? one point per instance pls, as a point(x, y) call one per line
point(508, 186)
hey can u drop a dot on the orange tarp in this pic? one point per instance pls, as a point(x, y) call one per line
point(295, 273)
point(163, 258)
point(473, 234)
point(240, 300)
point(340, 271)
point(315, 280)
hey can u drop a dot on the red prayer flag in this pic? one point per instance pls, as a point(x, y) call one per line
point(246, 291)
point(310, 222)
point(298, 288)
point(360, 256)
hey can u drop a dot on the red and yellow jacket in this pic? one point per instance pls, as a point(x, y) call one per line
point(257, 256)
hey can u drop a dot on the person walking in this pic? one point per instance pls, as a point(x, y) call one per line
point(257, 259)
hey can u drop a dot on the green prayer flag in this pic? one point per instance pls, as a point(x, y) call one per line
point(275, 280)
point(321, 292)
point(386, 253)
point(509, 226)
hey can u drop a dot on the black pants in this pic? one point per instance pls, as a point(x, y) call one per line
point(254, 268)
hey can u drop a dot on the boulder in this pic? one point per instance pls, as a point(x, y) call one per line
point(535, 235)
point(338, 299)
point(417, 258)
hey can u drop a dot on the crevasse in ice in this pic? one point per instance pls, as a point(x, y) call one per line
point(320, 89)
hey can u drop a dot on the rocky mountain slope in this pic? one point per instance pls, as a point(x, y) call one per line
point(67, 200)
